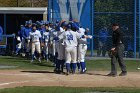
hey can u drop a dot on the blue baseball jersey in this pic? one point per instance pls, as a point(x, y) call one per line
point(26, 32)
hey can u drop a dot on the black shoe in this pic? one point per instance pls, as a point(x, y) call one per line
point(67, 73)
point(112, 75)
point(123, 74)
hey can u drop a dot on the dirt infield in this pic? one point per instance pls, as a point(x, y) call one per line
point(18, 78)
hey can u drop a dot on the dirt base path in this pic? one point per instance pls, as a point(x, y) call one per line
point(18, 78)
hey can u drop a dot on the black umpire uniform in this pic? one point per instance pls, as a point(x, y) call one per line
point(118, 46)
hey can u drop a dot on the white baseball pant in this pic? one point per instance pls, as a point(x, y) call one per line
point(71, 54)
point(36, 46)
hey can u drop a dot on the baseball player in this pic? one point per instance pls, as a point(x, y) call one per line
point(46, 37)
point(35, 37)
point(25, 34)
point(42, 29)
point(70, 41)
point(60, 49)
point(82, 46)
point(18, 46)
point(53, 44)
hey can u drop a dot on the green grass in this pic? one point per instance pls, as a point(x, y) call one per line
point(23, 63)
point(92, 65)
point(68, 90)
point(105, 65)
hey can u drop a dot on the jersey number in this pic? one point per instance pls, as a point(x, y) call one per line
point(70, 37)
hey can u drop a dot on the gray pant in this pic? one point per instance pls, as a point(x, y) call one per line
point(118, 57)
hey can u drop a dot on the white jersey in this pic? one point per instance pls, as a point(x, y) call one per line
point(46, 36)
point(81, 31)
point(70, 38)
point(34, 36)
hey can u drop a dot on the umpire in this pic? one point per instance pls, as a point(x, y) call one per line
point(118, 48)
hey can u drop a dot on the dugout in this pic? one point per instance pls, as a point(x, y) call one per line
point(12, 17)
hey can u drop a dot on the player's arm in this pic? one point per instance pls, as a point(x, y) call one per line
point(40, 37)
point(60, 37)
point(24, 34)
point(88, 36)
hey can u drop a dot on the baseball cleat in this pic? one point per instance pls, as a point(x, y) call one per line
point(111, 75)
point(138, 68)
point(39, 60)
point(31, 61)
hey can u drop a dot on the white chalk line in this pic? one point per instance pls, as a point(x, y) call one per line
point(15, 74)
point(8, 83)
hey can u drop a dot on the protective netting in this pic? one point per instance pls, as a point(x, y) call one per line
point(108, 12)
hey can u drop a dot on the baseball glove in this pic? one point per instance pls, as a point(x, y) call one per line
point(111, 53)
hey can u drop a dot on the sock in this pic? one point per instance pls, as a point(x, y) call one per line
point(85, 65)
point(46, 56)
point(78, 65)
point(17, 50)
point(33, 56)
point(58, 64)
point(82, 65)
point(73, 67)
point(61, 64)
point(68, 67)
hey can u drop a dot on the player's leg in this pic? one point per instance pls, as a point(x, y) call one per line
point(46, 51)
point(27, 48)
point(99, 48)
point(38, 49)
point(57, 68)
point(68, 59)
point(32, 51)
point(62, 57)
point(82, 60)
point(18, 47)
point(104, 49)
point(54, 50)
point(78, 56)
point(73, 58)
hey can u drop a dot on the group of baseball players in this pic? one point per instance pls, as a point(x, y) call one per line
point(62, 42)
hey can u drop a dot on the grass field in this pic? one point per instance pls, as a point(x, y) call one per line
point(92, 65)
point(69, 90)
point(95, 64)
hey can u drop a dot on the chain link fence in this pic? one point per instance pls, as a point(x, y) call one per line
point(107, 12)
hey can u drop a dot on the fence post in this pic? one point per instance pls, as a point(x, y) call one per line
point(49, 11)
point(135, 23)
point(139, 28)
point(92, 27)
